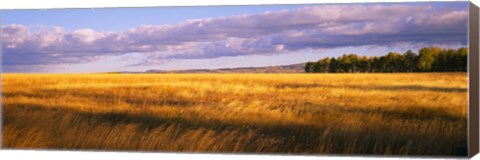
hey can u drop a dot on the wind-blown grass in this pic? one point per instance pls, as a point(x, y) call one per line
point(401, 114)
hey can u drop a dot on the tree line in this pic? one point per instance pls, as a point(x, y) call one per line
point(431, 59)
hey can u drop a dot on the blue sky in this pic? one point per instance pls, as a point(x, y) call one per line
point(118, 19)
point(139, 39)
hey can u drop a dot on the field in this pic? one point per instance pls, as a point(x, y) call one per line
point(388, 114)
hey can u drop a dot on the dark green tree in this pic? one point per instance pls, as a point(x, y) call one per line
point(411, 60)
point(334, 65)
point(364, 64)
point(432, 59)
point(309, 67)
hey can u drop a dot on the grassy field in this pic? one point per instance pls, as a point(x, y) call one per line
point(401, 114)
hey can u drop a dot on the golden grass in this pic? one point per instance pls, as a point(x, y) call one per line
point(401, 114)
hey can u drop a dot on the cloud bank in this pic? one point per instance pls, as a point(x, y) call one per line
point(313, 27)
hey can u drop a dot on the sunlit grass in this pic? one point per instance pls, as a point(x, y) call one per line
point(406, 114)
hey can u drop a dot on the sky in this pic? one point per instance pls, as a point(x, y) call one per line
point(175, 38)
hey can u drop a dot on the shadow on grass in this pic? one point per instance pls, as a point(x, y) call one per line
point(409, 113)
point(377, 87)
point(295, 138)
point(111, 98)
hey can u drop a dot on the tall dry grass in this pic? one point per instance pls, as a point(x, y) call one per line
point(401, 114)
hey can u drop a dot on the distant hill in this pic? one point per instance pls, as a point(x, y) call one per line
point(294, 68)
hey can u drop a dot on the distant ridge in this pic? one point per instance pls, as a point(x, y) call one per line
point(293, 68)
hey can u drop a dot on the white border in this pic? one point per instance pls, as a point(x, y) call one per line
point(52, 155)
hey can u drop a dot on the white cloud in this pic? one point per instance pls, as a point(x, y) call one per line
point(314, 27)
